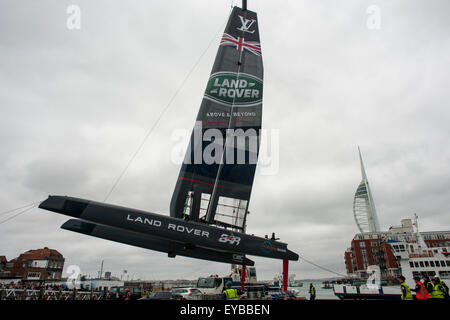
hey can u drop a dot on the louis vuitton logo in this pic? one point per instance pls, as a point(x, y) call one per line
point(246, 24)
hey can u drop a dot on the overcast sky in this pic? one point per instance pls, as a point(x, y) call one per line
point(76, 104)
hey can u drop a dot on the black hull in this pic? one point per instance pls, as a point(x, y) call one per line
point(168, 228)
point(172, 248)
point(357, 296)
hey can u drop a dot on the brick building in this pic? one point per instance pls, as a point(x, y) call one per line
point(372, 248)
point(39, 264)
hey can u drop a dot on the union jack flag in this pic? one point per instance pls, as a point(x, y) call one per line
point(240, 44)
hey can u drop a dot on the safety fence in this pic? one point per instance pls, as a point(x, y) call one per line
point(28, 294)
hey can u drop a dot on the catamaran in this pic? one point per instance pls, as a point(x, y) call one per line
point(209, 206)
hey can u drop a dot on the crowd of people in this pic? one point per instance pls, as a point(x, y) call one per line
point(424, 289)
point(30, 286)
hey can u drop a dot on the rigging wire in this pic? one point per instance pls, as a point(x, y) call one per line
point(323, 268)
point(18, 214)
point(162, 113)
point(22, 207)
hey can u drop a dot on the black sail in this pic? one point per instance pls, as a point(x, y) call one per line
point(216, 177)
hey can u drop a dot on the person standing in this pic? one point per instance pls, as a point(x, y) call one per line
point(443, 285)
point(420, 290)
point(229, 293)
point(127, 294)
point(428, 284)
point(312, 292)
point(406, 291)
point(438, 290)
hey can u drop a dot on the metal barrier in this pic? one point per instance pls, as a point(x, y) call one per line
point(28, 294)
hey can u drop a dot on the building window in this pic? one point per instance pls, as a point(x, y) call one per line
point(430, 274)
point(437, 263)
point(416, 264)
point(426, 264)
point(362, 244)
point(421, 264)
point(448, 263)
point(411, 264)
point(432, 263)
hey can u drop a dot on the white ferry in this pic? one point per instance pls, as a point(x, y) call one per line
point(414, 258)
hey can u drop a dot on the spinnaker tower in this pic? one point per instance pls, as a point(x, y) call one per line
point(363, 205)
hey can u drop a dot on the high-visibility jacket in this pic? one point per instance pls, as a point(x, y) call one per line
point(438, 292)
point(407, 295)
point(422, 293)
point(231, 294)
point(312, 291)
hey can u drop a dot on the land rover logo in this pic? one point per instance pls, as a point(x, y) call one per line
point(229, 88)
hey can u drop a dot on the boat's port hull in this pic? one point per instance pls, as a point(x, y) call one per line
point(363, 292)
point(168, 228)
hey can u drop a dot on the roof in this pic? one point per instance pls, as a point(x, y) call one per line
point(39, 254)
